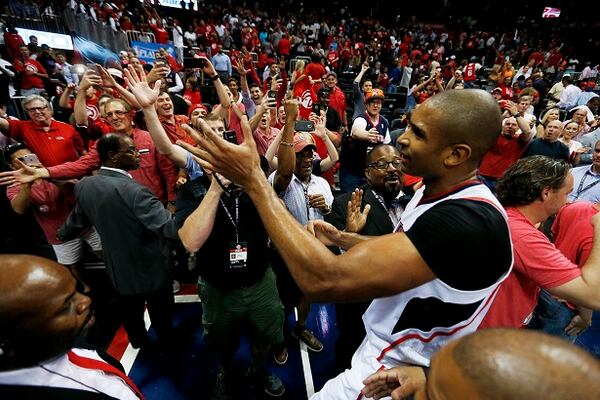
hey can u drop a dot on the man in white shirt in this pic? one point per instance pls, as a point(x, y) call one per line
point(568, 98)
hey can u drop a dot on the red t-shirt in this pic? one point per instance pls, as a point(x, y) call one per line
point(572, 231)
point(315, 70)
point(499, 158)
point(50, 205)
point(161, 35)
point(537, 264)
point(61, 143)
point(283, 47)
point(337, 101)
point(30, 81)
point(193, 96)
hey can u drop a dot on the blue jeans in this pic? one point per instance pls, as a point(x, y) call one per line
point(552, 316)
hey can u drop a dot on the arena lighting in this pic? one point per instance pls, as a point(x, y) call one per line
point(176, 3)
point(551, 12)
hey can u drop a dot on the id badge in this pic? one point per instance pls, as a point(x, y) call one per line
point(238, 254)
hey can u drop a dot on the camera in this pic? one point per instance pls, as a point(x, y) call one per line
point(230, 136)
point(194, 63)
point(271, 94)
point(304, 126)
point(316, 108)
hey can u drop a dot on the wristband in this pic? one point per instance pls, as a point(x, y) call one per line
point(214, 78)
point(286, 144)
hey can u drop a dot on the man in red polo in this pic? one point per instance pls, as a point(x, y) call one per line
point(52, 141)
point(31, 71)
point(506, 152)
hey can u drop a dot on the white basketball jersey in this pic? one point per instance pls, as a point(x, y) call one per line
point(411, 326)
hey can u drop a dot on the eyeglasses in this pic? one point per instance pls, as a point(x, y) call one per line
point(36, 109)
point(132, 151)
point(117, 113)
point(383, 165)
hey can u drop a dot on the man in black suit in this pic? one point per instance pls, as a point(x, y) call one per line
point(134, 227)
point(372, 210)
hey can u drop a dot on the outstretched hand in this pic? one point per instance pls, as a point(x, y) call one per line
point(399, 382)
point(25, 174)
point(237, 162)
point(144, 95)
point(327, 234)
point(355, 218)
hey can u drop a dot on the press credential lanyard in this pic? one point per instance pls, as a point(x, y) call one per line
point(237, 217)
point(582, 189)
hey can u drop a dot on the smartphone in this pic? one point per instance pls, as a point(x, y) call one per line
point(92, 67)
point(271, 94)
point(304, 126)
point(30, 159)
point(194, 63)
point(160, 60)
point(230, 136)
point(316, 109)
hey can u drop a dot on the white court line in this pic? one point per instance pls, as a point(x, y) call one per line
point(308, 379)
point(130, 353)
point(187, 298)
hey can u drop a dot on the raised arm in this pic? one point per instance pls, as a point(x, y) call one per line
point(380, 267)
point(146, 98)
point(79, 108)
point(197, 227)
point(286, 158)
point(321, 132)
point(64, 97)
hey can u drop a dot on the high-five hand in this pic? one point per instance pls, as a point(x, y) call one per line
point(355, 218)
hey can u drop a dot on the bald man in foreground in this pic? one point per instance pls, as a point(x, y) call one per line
point(427, 277)
point(41, 315)
point(496, 364)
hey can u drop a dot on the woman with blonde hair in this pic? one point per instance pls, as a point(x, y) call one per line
point(299, 76)
point(551, 114)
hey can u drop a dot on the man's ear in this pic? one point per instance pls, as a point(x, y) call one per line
point(545, 193)
point(458, 154)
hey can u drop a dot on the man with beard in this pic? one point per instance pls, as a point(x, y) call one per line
point(382, 203)
point(42, 312)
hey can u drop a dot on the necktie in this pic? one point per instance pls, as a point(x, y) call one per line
point(91, 363)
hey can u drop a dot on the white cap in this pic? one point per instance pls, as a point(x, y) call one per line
point(115, 72)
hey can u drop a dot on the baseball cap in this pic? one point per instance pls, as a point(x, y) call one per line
point(194, 107)
point(302, 140)
point(115, 72)
point(331, 73)
point(496, 89)
point(374, 94)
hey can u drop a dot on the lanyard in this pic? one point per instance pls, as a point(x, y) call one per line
point(582, 189)
point(392, 211)
point(237, 217)
point(307, 202)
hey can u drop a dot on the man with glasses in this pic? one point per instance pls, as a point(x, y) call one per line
point(134, 227)
point(54, 142)
point(156, 171)
point(374, 209)
point(307, 197)
point(367, 130)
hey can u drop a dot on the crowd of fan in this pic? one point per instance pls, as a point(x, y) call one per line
point(313, 138)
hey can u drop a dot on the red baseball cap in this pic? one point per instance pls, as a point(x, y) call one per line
point(302, 140)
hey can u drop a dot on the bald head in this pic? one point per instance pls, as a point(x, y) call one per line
point(41, 312)
point(525, 364)
point(470, 116)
